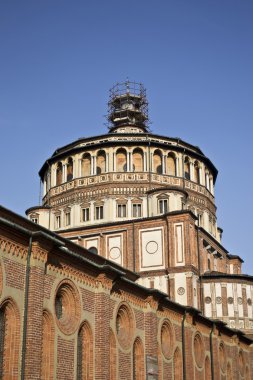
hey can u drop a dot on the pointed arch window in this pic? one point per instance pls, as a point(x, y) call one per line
point(178, 365)
point(9, 340)
point(138, 360)
point(47, 368)
point(85, 353)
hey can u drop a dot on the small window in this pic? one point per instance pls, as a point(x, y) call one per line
point(137, 210)
point(67, 219)
point(163, 206)
point(121, 211)
point(99, 212)
point(85, 214)
point(93, 250)
point(35, 220)
point(58, 221)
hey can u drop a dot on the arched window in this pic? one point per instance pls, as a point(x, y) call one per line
point(86, 165)
point(47, 368)
point(85, 353)
point(177, 364)
point(70, 169)
point(9, 340)
point(171, 164)
point(138, 360)
point(196, 172)
point(137, 160)
point(186, 168)
point(93, 250)
point(157, 162)
point(121, 160)
point(59, 174)
point(113, 357)
point(101, 161)
point(207, 368)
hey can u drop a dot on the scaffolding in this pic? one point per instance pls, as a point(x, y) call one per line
point(128, 106)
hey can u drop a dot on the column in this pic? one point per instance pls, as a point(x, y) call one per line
point(128, 161)
point(114, 162)
point(92, 165)
point(95, 165)
point(144, 161)
point(107, 163)
point(177, 167)
point(163, 164)
point(191, 171)
point(79, 167)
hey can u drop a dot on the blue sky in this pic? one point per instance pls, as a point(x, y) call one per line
point(58, 60)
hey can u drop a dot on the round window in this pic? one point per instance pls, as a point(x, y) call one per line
point(124, 326)
point(67, 307)
point(167, 339)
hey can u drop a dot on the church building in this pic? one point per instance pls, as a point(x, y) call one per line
point(121, 273)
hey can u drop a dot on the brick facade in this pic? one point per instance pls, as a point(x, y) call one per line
point(87, 318)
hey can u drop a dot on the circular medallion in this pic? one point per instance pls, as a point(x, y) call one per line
point(208, 300)
point(67, 307)
point(151, 247)
point(167, 339)
point(114, 253)
point(230, 300)
point(124, 326)
point(239, 300)
point(249, 301)
point(180, 291)
point(218, 300)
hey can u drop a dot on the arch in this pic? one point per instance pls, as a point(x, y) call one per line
point(157, 162)
point(171, 164)
point(187, 168)
point(86, 165)
point(137, 160)
point(124, 325)
point(85, 353)
point(196, 172)
point(177, 365)
point(113, 357)
point(229, 372)
point(47, 367)
point(207, 368)
point(69, 169)
point(59, 174)
point(138, 360)
point(121, 160)
point(101, 162)
point(9, 340)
